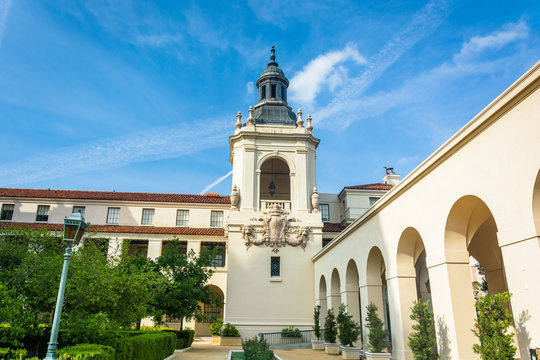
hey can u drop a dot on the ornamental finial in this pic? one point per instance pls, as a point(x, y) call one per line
point(238, 120)
point(250, 119)
point(309, 127)
point(273, 57)
point(300, 122)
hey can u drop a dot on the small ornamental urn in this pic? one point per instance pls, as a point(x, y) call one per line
point(315, 200)
point(235, 197)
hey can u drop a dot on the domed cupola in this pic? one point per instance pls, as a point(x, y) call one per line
point(272, 108)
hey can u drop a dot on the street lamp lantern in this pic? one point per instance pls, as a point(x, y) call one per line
point(74, 228)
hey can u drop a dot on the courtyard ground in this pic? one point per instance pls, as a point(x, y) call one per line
point(202, 349)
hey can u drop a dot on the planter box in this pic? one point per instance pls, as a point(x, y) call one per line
point(216, 340)
point(317, 344)
point(291, 340)
point(331, 348)
point(377, 356)
point(350, 352)
point(230, 341)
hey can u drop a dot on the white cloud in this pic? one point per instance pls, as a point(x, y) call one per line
point(423, 23)
point(507, 34)
point(155, 144)
point(4, 10)
point(203, 191)
point(307, 83)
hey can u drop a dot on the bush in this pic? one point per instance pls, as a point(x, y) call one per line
point(145, 345)
point(15, 354)
point(491, 327)
point(291, 332)
point(422, 340)
point(229, 330)
point(257, 349)
point(215, 327)
point(86, 352)
point(316, 321)
point(377, 337)
point(348, 329)
point(330, 327)
point(184, 338)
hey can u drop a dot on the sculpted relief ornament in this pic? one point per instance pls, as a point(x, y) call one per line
point(276, 231)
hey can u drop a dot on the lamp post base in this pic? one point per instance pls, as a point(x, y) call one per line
point(51, 351)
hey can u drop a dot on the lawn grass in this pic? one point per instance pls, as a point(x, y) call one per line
point(237, 356)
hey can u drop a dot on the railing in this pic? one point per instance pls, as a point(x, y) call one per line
point(289, 337)
point(285, 204)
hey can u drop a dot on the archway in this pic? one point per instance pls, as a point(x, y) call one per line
point(352, 291)
point(335, 292)
point(211, 312)
point(376, 289)
point(322, 300)
point(412, 281)
point(275, 183)
point(470, 236)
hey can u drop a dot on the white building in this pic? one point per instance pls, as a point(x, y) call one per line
point(478, 196)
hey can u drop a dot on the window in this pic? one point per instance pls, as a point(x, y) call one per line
point(263, 92)
point(273, 90)
point(137, 248)
point(147, 216)
point(112, 215)
point(78, 209)
point(275, 266)
point(325, 242)
point(211, 313)
point(7, 212)
point(373, 200)
point(101, 244)
point(219, 248)
point(216, 219)
point(182, 246)
point(283, 93)
point(325, 212)
point(182, 217)
point(43, 213)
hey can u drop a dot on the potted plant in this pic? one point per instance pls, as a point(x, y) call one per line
point(291, 335)
point(330, 345)
point(317, 344)
point(422, 340)
point(348, 333)
point(377, 336)
point(230, 336)
point(215, 331)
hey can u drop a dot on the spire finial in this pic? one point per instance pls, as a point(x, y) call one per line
point(238, 120)
point(273, 57)
point(309, 127)
point(300, 122)
point(250, 119)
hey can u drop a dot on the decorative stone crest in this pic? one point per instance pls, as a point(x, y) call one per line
point(235, 197)
point(276, 231)
point(315, 200)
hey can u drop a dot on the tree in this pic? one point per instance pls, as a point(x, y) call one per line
point(422, 340)
point(377, 336)
point(330, 327)
point(186, 284)
point(491, 327)
point(348, 329)
point(316, 320)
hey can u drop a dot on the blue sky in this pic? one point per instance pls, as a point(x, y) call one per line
point(142, 96)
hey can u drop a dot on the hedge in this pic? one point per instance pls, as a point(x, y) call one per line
point(15, 354)
point(184, 338)
point(155, 345)
point(86, 352)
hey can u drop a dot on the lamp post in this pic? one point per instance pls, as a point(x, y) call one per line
point(74, 227)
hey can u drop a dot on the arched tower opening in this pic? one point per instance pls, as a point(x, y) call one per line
point(275, 183)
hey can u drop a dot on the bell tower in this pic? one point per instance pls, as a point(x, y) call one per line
point(274, 226)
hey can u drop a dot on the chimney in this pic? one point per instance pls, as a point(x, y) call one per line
point(391, 178)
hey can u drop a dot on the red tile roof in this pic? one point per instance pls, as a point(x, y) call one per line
point(332, 227)
point(209, 198)
point(125, 229)
point(377, 186)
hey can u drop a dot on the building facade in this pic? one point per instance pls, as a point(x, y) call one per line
point(283, 247)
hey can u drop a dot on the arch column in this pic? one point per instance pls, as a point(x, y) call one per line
point(402, 287)
point(371, 293)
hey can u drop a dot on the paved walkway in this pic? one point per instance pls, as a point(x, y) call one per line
point(201, 349)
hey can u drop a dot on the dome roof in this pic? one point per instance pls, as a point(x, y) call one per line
point(272, 68)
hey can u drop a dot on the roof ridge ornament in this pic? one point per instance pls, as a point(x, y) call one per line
point(273, 57)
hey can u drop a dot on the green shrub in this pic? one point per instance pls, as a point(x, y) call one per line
point(377, 337)
point(229, 330)
point(291, 332)
point(316, 322)
point(86, 352)
point(215, 327)
point(330, 327)
point(144, 345)
point(184, 338)
point(491, 327)
point(348, 329)
point(422, 340)
point(257, 349)
point(15, 354)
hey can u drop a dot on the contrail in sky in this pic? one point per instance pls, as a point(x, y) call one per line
point(203, 191)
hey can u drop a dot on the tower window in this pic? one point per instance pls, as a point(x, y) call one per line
point(283, 94)
point(275, 270)
point(263, 92)
point(325, 212)
point(273, 88)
